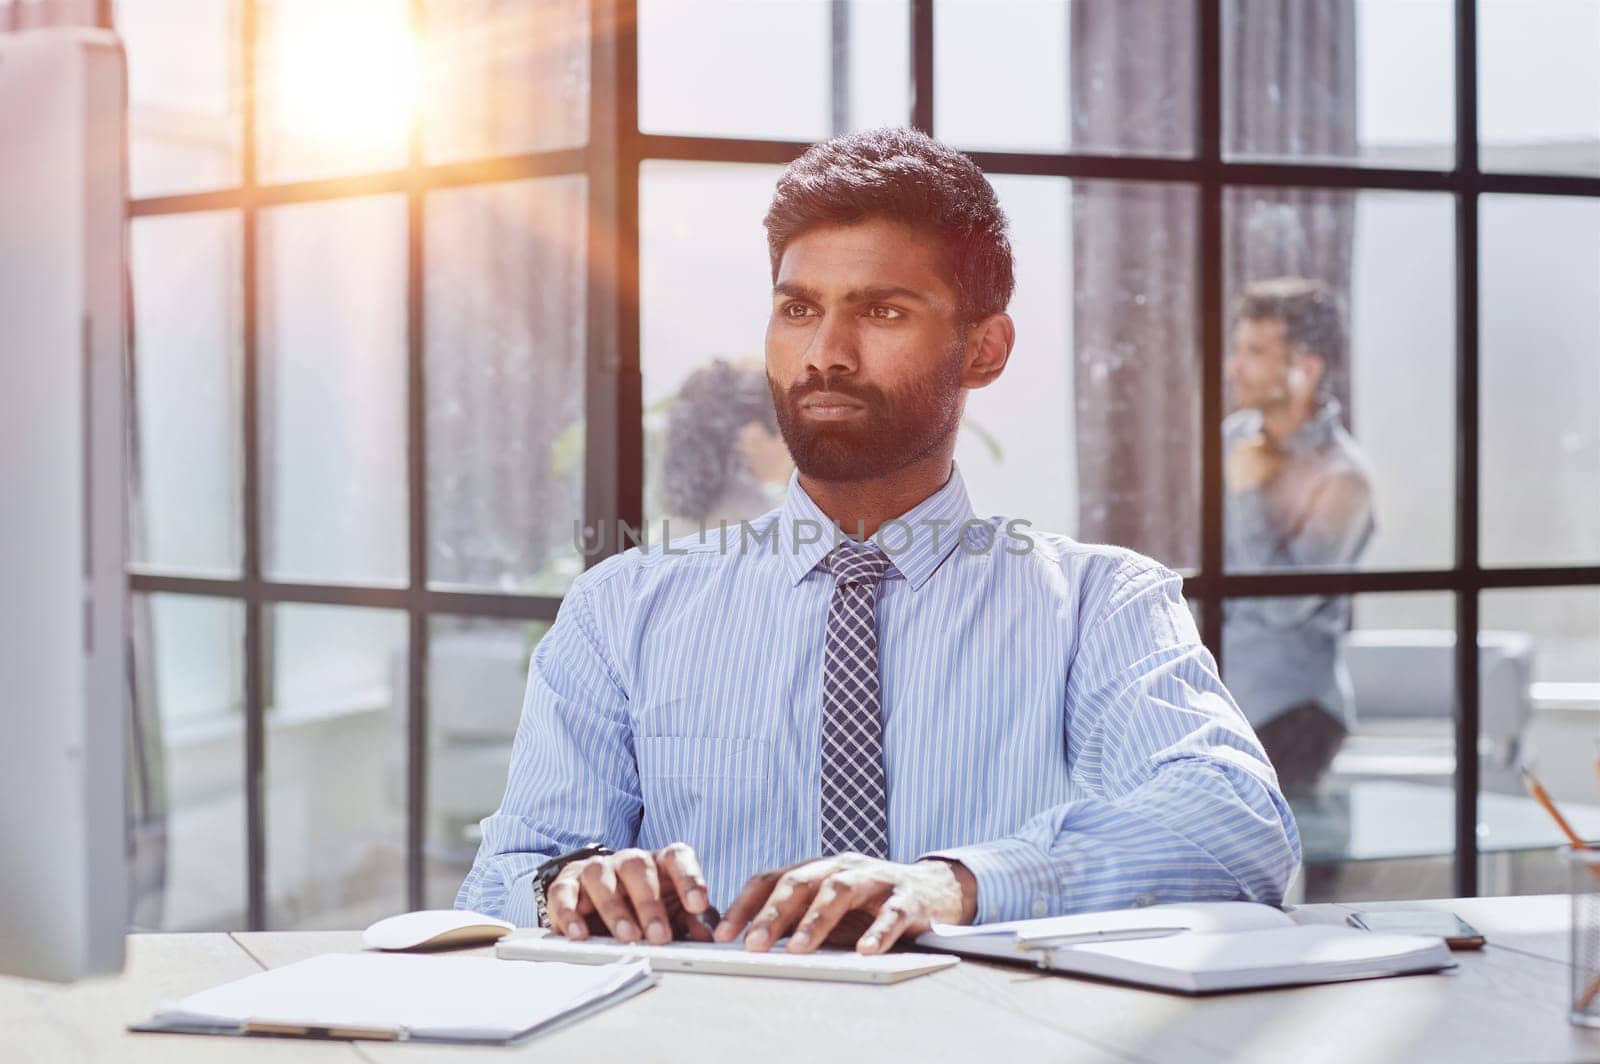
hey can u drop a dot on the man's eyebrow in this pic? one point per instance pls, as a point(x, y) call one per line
point(878, 294)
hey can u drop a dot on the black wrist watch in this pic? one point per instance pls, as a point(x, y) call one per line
point(546, 874)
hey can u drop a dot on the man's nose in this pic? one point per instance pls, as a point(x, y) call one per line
point(832, 350)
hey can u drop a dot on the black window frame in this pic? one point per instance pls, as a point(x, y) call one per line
point(613, 487)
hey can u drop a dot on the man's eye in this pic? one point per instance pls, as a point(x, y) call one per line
point(796, 310)
point(884, 313)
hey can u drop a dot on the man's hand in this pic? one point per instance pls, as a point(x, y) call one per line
point(1252, 463)
point(632, 894)
point(814, 900)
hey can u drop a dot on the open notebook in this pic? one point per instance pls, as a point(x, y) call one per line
point(1196, 949)
point(404, 997)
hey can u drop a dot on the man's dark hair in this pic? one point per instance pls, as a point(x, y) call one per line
point(908, 177)
point(1312, 314)
point(701, 453)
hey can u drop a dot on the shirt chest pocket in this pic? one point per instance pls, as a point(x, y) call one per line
point(710, 792)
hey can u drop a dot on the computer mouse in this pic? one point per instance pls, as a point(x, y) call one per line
point(435, 929)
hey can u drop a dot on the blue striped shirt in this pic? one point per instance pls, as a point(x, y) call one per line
point(1050, 719)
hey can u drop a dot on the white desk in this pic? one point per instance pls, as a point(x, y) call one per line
point(1505, 1003)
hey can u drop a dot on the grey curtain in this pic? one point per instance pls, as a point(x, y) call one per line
point(1136, 372)
point(1289, 91)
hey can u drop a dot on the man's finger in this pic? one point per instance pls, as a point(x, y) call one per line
point(746, 905)
point(599, 881)
point(838, 895)
point(893, 919)
point(561, 906)
point(682, 869)
point(696, 927)
point(790, 898)
point(636, 871)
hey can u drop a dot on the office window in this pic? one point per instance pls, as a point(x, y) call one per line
point(1375, 488)
point(504, 294)
point(500, 77)
point(332, 334)
point(1539, 86)
point(1078, 75)
point(187, 804)
point(1540, 453)
point(778, 69)
point(404, 328)
point(185, 440)
point(477, 669)
point(1363, 692)
point(185, 93)
point(335, 767)
point(1368, 81)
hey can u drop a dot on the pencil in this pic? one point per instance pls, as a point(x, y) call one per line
point(1537, 792)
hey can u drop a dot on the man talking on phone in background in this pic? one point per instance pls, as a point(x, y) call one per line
point(1299, 496)
point(849, 736)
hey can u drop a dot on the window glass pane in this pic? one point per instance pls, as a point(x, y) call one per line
point(705, 295)
point(1539, 86)
point(1133, 369)
point(505, 339)
point(1355, 705)
point(187, 781)
point(1369, 81)
point(1539, 662)
point(185, 512)
point(333, 390)
point(477, 670)
point(1101, 76)
point(335, 767)
point(337, 85)
point(1325, 466)
point(1539, 450)
point(502, 78)
point(1024, 450)
point(185, 112)
point(764, 68)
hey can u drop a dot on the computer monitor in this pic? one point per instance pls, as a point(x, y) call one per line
point(63, 597)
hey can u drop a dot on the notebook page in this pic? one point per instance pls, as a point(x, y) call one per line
point(1202, 917)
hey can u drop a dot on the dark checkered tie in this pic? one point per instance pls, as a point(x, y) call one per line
point(855, 802)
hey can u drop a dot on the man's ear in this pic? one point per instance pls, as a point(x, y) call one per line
point(989, 346)
point(1312, 368)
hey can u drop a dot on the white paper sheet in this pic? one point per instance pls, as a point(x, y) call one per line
point(430, 996)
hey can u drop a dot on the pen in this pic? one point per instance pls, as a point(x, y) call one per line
point(1538, 793)
point(1049, 942)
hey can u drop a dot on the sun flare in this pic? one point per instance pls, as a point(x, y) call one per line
point(348, 75)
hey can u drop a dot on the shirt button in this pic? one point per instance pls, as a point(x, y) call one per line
point(1040, 907)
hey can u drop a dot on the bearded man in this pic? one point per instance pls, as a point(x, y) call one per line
point(919, 717)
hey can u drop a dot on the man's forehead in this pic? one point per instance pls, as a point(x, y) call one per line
point(870, 254)
point(1263, 330)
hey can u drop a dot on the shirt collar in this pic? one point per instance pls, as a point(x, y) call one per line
point(1318, 430)
point(917, 541)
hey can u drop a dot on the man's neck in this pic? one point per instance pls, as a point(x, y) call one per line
point(862, 506)
point(1285, 419)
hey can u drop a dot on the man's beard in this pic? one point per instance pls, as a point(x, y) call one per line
point(896, 428)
